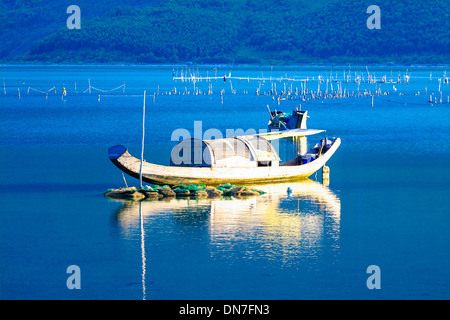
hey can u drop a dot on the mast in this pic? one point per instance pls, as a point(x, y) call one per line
point(142, 151)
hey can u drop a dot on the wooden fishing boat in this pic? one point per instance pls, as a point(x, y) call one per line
point(237, 160)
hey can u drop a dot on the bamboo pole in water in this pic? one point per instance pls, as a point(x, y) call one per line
point(124, 180)
point(325, 176)
point(142, 151)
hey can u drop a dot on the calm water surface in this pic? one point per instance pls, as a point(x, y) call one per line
point(387, 203)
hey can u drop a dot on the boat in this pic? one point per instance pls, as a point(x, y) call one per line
point(236, 160)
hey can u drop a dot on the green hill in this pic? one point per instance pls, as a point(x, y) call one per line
point(241, 31)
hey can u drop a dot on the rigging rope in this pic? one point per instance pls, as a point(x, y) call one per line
point(44, 92)
point(91, 87)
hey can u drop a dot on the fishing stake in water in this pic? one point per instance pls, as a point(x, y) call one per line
point(143, 136)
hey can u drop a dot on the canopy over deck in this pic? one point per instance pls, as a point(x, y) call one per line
point(241, 151)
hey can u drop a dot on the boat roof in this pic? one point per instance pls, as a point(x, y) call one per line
point(289, 133)
point(227, 152)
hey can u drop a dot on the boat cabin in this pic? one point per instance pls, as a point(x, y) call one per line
point(286, 121)
point(234, 152)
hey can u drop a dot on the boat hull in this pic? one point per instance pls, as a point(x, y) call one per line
point(174, 175)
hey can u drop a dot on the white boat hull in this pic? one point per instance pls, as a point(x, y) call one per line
point(174, 175)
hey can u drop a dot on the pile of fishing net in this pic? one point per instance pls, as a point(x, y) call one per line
point(155, 192)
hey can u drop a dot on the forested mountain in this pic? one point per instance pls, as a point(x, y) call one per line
point(240, 31)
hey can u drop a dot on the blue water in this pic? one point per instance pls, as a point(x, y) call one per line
point(387, 203)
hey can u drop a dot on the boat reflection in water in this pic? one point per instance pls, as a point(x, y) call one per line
point(281, 224)
point(287, 228)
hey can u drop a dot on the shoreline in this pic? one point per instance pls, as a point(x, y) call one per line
point(243, 65)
